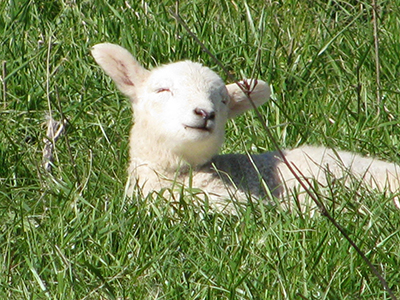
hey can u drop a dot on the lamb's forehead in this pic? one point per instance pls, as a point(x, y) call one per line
point(187, 73)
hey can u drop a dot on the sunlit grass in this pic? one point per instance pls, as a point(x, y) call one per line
point(74, 235)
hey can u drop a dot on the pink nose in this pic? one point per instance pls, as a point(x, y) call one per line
point(205, 114)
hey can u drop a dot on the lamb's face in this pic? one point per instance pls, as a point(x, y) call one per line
point(180, 109)
point(186, 106)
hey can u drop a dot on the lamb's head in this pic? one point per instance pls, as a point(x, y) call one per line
point(180, 109)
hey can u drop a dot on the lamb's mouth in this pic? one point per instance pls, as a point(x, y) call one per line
point(200, 128)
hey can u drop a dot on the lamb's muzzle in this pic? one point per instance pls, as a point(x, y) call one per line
point(205, 122)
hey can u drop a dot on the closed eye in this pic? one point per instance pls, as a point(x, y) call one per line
point(162, 90)
point(225, 100)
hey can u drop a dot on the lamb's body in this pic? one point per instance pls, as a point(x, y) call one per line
point(238, 176)
point(180, 112)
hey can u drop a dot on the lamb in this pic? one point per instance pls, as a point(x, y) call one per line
point(180, 110)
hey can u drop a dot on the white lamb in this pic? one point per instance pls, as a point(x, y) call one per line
point(180, 111)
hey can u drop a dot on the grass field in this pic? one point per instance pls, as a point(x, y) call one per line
point(72, 234)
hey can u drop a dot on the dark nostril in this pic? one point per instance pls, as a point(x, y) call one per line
point(204, 114)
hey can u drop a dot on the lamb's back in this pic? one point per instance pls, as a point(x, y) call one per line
point(266, 174)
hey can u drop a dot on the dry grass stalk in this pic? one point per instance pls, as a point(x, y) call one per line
point(54, 130)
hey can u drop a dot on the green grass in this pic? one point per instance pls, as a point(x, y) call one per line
point(73, 235)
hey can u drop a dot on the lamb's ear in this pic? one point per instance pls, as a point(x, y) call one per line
point(121, 66)
point(239, 101)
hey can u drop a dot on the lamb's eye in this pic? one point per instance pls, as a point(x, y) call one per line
point(225, 101)
point(162, 90)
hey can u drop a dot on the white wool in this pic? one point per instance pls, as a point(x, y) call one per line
point(180, 111)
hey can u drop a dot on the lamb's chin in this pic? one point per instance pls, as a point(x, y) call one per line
point(196, 138)
point(195, 153)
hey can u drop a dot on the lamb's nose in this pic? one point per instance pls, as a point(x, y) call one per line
point(205, 114)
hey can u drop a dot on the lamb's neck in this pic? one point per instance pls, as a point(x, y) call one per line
point(151, 155)
point(166, 162)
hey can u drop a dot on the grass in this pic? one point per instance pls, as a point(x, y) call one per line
point(73, 234)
